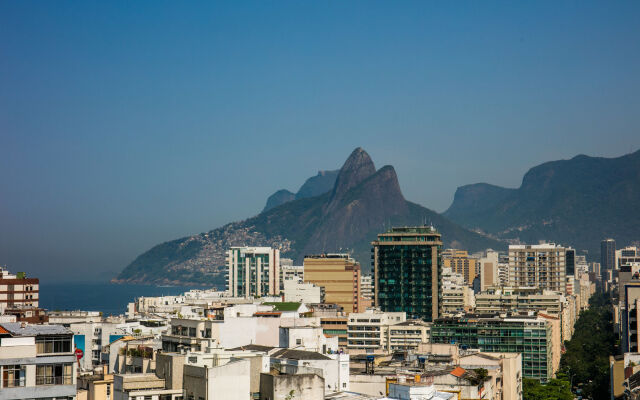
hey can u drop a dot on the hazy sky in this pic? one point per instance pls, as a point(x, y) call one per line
point(125, 124)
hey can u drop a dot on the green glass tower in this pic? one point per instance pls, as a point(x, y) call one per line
point(407, 267)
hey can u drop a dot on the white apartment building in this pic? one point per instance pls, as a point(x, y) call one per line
point(457, 296)
point(366, 287)
point(295, 290)
point(542, 266)
point(367, 330)
point(408, 335)
point(291, 272)
point(36, 362)
point(91, 333)
point(253, 271)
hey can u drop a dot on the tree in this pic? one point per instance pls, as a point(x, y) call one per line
point(556, 389)
point(586, 360)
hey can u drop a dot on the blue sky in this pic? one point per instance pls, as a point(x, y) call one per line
point(124, 124)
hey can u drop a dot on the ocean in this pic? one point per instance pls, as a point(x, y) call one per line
point(110, 299)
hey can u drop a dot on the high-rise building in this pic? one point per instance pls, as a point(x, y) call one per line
point(461, 263)
point(607, 255)
point(18, 291)
point(570, 261)
point(541, 265)
point(253, 271)
point(407, 266)
point(339, 274)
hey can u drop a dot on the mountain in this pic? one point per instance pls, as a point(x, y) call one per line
point(362, 203)
point(314, 186)
point(575, 202)
point(317, 185)
point(278, 198)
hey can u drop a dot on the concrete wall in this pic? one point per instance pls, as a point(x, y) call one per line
point(303, 386)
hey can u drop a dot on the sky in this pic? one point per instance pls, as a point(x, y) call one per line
point(125, 124)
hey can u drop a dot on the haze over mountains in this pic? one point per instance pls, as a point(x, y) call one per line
point(361, 203)
point(575, 202)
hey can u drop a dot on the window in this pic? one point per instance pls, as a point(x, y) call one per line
point(54, 374)
point(298, 342)
point(13, 376)
point(53, 344)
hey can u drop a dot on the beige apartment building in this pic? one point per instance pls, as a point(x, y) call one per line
point(542, 266)
point(339, 274)
point(460, 262)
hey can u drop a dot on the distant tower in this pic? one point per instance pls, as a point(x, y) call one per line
point(607, 255)
point(407, 265)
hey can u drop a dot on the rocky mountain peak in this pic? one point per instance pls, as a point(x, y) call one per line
point(355, 170)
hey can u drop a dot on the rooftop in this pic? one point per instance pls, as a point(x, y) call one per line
point(20, 329)
point(299, 355)
point(284, 306)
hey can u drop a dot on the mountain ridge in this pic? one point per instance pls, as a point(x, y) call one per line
point(362, 203)
point(562, 201)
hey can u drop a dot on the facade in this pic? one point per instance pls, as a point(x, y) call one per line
point(253, 271)
point(628, 256)
point(542, 266)
point(570, 261)
point(457, 296)
point(530, 336)
point(408, 335)
point(367, 330)
point(366, 291)
point(290, 272)
point(297, 291)
point(460, 262)
point(488, 270)
point(17, 291)
point(143, 386)
point(37, 362)
point(607, 255)
point(407, 271)
point(335, 326)
point(339, 275)
point(231, 380)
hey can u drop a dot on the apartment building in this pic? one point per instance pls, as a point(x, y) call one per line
point(368, 330)
point(290, 272)
point(91, 333)
point(36, 362)
point(542, 266)
point(188, 334)
point(17, 291)
point(460, 262)
point(366, 291)
point(488, 270)
point(294, 290)
point(531, 336)
point(506, 299)
point(407, 271)
point(408, 335)
point(457, 296)
point(253, 271)
point(339, 275)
